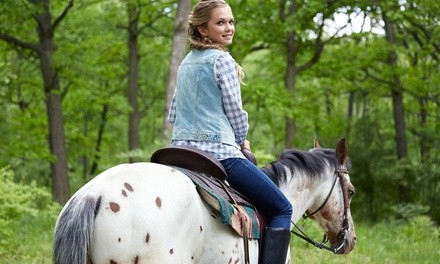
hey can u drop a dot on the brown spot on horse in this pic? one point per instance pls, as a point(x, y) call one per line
point(158, 202)
point(128, 187)
point(114, 207)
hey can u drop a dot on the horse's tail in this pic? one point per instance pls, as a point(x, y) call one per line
point(74, 228)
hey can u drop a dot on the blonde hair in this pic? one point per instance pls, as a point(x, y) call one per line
point(200, 17)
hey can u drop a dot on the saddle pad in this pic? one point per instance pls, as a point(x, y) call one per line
point(213, 193)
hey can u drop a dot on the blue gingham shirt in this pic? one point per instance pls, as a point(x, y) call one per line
point(226, 72)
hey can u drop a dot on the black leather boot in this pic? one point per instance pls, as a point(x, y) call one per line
point(275, 245)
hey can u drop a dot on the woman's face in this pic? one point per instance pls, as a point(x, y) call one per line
point(220, 28)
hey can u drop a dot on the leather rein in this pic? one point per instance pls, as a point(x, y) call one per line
point(339, 173)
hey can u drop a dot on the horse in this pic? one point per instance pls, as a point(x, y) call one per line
point(151, 213)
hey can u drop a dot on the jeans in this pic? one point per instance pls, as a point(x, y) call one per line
point(253, 183)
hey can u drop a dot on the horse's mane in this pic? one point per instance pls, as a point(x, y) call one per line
point(312, 162)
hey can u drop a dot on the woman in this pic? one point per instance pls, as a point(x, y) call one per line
point(207, 114)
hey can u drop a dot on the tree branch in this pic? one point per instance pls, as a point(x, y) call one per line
point(377, 79)
point(18, 43)
point(427, 33)
point(62, 16)
point(319, 44)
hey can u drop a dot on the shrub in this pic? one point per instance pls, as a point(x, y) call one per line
point(24, 209)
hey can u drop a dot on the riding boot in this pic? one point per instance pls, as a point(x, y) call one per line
point(275, 245)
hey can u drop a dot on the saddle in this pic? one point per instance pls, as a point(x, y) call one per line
point(191, 159)
point(209, 176)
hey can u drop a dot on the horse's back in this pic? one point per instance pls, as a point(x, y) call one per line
point(148, 213)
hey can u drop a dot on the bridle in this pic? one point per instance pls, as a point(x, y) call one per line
point(339, 173)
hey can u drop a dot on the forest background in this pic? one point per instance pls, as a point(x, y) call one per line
point(86, 84)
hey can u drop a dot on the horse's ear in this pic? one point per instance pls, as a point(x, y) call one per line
point(316, 143)
point(342, 151)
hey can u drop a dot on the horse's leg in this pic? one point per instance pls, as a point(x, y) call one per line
point(149, 214)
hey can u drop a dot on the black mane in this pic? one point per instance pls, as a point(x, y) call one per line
point(312, 163)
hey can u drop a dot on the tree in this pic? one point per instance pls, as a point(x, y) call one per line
point(133, 11)
point(177, 55)
point(398, 108)
point(137, 24)
point(44, 50)
point(296, 32)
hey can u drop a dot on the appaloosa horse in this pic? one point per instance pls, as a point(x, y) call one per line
point(151, 213)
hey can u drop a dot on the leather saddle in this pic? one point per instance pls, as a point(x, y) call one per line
point(190, 158)
point(199, 166)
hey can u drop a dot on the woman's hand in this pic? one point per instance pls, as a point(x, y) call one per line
point(246, 150)
point(246, 145)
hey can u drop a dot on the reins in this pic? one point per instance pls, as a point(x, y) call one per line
point(324, 203)
point(339, 172)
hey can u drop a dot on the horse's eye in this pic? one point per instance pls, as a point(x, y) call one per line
point(351, 193)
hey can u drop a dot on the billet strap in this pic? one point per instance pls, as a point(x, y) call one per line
point(243, 223)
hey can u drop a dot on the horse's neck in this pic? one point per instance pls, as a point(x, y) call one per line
point(304, 192)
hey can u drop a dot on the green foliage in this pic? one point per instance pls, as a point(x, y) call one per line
point(408, 211)
point(351, 75)
point(25, 210)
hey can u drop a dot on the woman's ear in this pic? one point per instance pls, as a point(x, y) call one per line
point(202, 31)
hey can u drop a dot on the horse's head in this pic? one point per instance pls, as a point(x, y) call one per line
point(334, 214)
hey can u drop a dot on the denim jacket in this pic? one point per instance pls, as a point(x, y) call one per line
point(200, 114)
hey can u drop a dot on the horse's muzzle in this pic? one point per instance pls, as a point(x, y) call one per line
point(344, 243)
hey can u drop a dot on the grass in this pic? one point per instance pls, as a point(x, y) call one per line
point(416, 241)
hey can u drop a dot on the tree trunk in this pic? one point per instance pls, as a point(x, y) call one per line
point(288, 9)
point(133, 85)
point(85, 158)
point(46, 49)
point(102, 125)
point(290, 79)
point(424, 146)
point(350, 113)
point(398, 108)
point(177, 55)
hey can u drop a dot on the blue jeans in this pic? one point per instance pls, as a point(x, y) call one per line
point(253, 183)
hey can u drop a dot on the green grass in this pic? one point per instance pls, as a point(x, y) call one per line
point(414, 242)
